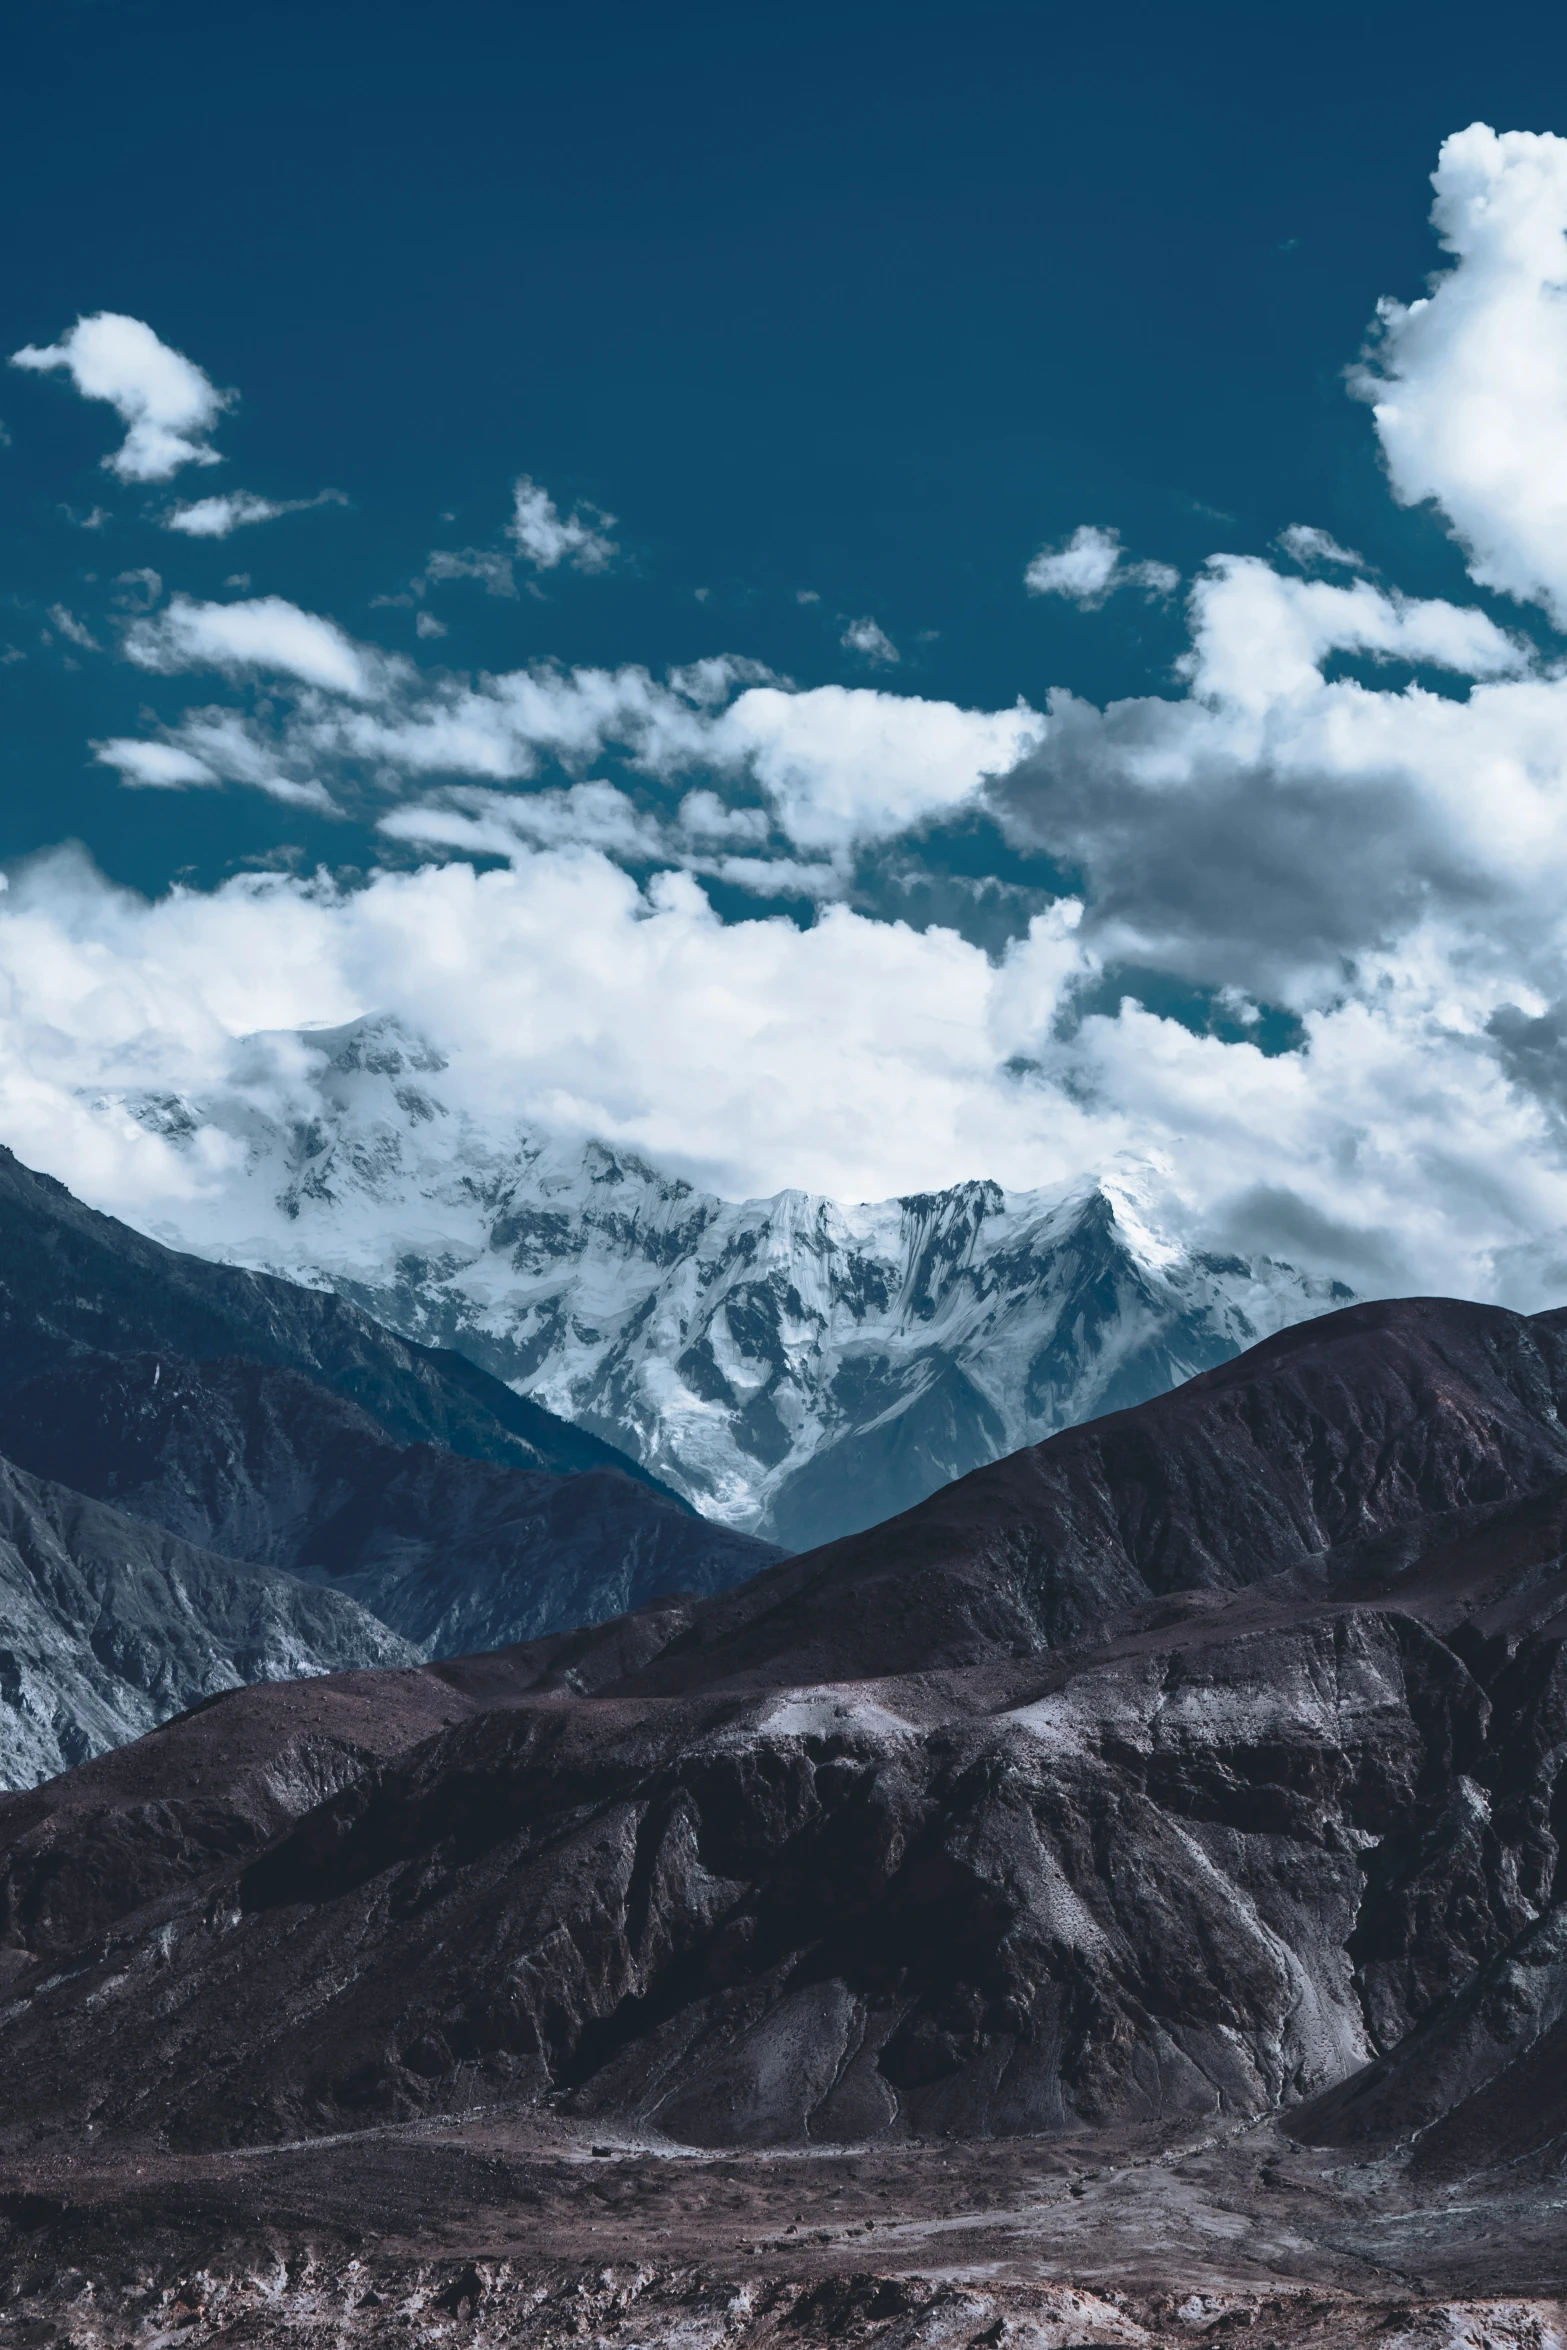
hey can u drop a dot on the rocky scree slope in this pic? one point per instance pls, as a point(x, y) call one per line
point(1201, 1763)
point(795, 1367)
point(183, 1443)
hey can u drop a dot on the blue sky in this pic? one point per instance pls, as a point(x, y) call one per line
point(869, 300)
point(921, 362)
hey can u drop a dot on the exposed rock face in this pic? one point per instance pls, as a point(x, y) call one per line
point(1199, 1763)
point(457, 1513)
point(111, 1625)
point(796, 1367)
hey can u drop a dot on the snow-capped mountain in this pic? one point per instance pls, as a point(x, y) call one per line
point(797, 1367)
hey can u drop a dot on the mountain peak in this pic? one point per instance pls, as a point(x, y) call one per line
point(794, 1365)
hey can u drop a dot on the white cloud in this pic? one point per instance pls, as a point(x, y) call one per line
point(546, 537)
point(213, 749)
point(837, 765)
point(215, 518)
point(1309, 545)
point(842, 764)
point(857, 1056)
point(154, 766)
point(1469, 384)
point(594, 816)
point(486, 564)
point(265, 633)
point(426, 625)
point(864, 636)
point(1091, 566)
point(74, 631)
point(839, 1053)
point(164, 398)
point(1260, 636)
point(706, 817)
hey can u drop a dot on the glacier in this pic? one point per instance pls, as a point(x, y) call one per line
point(797, 1367)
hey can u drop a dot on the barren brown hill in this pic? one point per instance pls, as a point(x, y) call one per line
point(1199, 1771)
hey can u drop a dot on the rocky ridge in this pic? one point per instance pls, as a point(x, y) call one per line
point(795, 1367)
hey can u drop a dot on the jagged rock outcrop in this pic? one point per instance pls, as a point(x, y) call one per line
point(1199, 1763)
point(795, 1366)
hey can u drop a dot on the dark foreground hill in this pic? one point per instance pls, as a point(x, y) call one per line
point(200, 1445)
point(1203, 1763)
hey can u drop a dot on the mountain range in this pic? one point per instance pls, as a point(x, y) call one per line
point(211, 1476)
point(1198, 1771)
point(795, 1367)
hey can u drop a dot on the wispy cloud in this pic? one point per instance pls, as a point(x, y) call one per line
point(1310, 545)
point(74, 631)
point(265, 633)
point(870, 640)
point(215, 518)
point(488, 565)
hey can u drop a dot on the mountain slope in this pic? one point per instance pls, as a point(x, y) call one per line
point(795, 1367)
point(1380, 1424)
point(1206, 1762)
point(111, 1625)
point(73, 1281)
point(308, 1455)
point(452, 1553)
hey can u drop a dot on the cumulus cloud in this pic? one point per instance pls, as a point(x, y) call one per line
point(842, 764)
point(1469, 385)
point(856, 1056)
point(215, 518)
point(165, 400)
point(545, 537)
point(1091, 566)
point(1276, 824)
point(264, 633)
